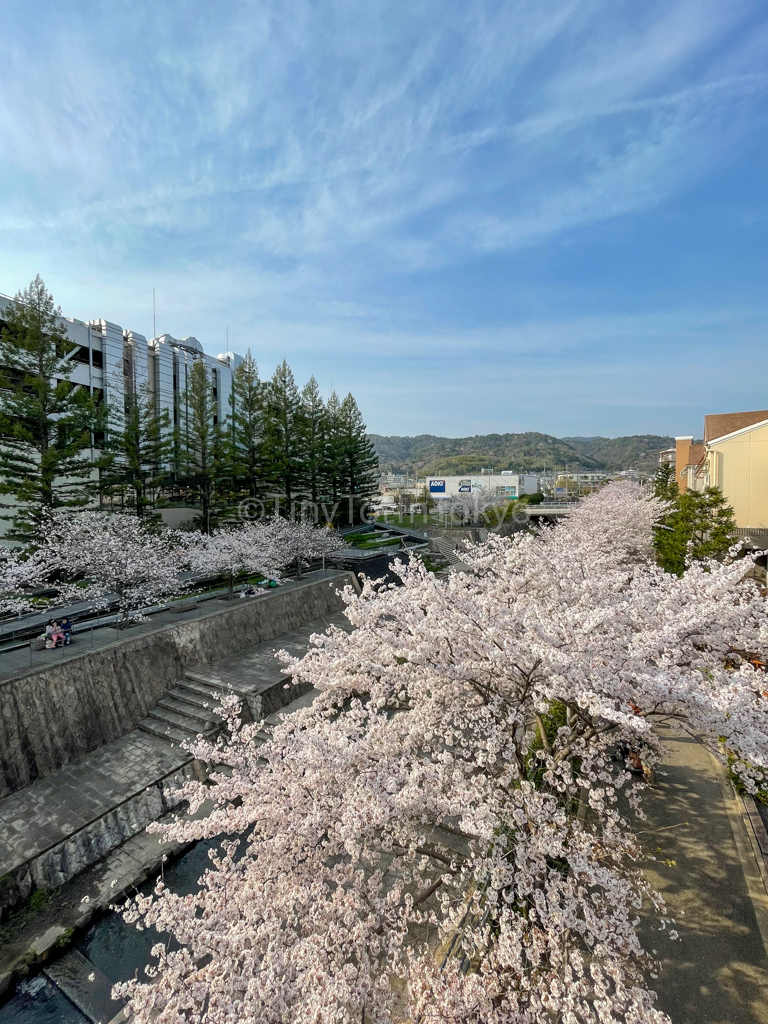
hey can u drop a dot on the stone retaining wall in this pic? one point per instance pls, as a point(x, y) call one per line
point(51, 717)
point(95, 840)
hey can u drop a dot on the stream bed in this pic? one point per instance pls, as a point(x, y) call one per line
point(110, 951)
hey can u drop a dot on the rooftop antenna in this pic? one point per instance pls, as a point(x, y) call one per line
point(154, 320)
point(227, 337)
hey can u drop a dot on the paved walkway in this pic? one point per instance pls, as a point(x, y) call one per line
point(15, 662)
point(718, 972)
point(42, 815)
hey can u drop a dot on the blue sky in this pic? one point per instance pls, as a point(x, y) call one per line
point(478, 217)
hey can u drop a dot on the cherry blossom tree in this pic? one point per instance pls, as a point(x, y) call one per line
point(409, 848)
point(17, 575)
point(298, 540)
point(251, 548)
point(474, 507)
point(106, 557)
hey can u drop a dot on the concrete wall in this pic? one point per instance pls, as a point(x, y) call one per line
point(51, 717)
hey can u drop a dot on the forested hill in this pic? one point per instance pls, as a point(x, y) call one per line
point(530, 452)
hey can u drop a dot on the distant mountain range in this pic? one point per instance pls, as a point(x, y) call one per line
point(527, 453)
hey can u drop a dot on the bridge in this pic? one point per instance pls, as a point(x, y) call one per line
point(549, 509)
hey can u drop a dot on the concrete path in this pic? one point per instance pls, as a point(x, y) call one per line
point(42, 815)
point(718, 972)
point(90, 636)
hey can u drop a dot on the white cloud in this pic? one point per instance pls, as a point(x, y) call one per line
point(285, 169)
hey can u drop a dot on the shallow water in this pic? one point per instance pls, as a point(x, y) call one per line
point(39, 1001)
point(116, 948)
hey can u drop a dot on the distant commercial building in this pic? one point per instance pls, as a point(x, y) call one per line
point(587, 479)
point(499, 485)
point(733, 457)
point(390, 481)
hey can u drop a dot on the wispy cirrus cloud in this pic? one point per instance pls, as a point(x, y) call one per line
point(330, 167)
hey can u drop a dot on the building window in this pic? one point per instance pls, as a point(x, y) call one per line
point(97, 359)
point(98, 394)
point(81, 355)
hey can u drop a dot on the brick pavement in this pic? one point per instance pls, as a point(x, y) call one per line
point(44, 814)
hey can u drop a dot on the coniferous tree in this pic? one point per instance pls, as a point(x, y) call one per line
point(200, 444)
point(284, 436)
point(334, 467)
point(46, 421)
point(664, 484)
point(698, 525)
point(246, 428)
point(138, 449)
point(360, 459)
point(315, 428)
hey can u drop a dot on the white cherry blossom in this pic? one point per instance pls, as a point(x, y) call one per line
point(409, 847)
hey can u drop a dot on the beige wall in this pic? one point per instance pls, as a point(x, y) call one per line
point(739, 466)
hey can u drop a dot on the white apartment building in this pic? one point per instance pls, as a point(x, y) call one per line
point(500, 485)
point(107, 355)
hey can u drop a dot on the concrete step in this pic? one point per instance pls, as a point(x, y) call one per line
point(164, 730)
point(197, 693)
point(177, 701)
point(85, 986)
point(207, 685)
point(265, 732)
point(191, 726)
point(448, 551)
point(202, 680)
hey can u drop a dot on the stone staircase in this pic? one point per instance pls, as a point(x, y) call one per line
point(448, 551)
point(254, 676)
point(185, 712)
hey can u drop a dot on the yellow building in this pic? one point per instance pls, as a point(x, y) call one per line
point(733, 457)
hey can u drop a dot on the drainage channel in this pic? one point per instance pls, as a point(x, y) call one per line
point(76, 988)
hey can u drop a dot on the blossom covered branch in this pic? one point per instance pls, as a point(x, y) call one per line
point(408, 848)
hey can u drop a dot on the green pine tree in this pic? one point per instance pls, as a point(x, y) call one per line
point(360, 460)
point(314, 423)
point(664, 484)
point(46, 421)
point(334, 466)
point(698, 525)
point(200, 445)
point(284, 435)
point(138, 450)
point(246, 429)
point(715, 529)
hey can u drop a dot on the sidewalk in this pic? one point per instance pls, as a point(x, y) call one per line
point(16, 662)
point(39, 817)
point(718, 972)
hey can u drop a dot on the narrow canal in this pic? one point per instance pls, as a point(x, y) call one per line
point(110, 950)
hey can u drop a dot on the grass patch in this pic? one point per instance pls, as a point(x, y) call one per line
point(364, 541)
point(39, 900)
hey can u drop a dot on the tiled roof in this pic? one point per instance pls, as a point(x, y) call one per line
point(725, 423)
